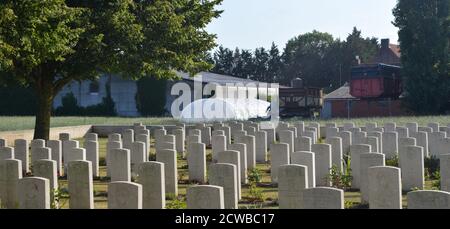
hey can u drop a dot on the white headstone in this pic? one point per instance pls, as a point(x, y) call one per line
point(205, 197)
point(169, 158)
point(428, 200)
point(293, 180)
point(56, 148)
point(34, 193)
point(336, 152)
point(261, 146)
point(242, 149)
point(303, 143)
point(225, 175)
point(124, 195)
point(445, 172)
point(151, 177)
point(280, 156)
point(306, 159)
point(249, 141)
point(323, 198)
point(10, 173)
point(287, 136)
point(234, 158)
point(196, 160)
point(219, 144)
point(323, 159)
point(92, 155)
point(412, 168)
point(80, 184)
point(21, 153)
point(368, 160)
point(120, 165)
point(385, 189)
point(355, 153)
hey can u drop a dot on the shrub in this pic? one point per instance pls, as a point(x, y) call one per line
point(339, 179)
point(254, 176)
point(432, 167)
point(177, 203)
point(393, 161)
point(70, 107)
point(436, 184)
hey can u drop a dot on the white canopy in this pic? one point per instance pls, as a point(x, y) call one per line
point(212, 110)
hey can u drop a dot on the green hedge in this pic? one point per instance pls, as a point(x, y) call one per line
point(16, 100)
point(70, 107)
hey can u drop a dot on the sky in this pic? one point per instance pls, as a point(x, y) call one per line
point(249, 24)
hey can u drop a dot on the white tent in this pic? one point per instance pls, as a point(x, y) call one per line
point(212, 110)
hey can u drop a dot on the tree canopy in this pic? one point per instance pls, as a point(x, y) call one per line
point(319, 58)
point(424, 33)
point(47, 44)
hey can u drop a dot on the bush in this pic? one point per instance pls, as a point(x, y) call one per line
point(254, 176)
point(432, 167)
point(17, 100)
point(393, 161)
point(176, 203)
point(70, 107)
point(339, 179)
point(436, 184)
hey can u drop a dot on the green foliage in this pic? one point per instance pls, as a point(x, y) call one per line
point(176, 203)
point(254, 193)
point(151, 96)
point(254, 176)
point(47, 44)
point(17, 100)
point(57, 196)
point(432, 167)
point(393, 161)
point(70, 107)
point(320, 59)
point(424, 28)
point(339, 179)
point(436, 184)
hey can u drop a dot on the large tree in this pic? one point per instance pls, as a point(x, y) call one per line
point(424, 34)
point(303, 57)
point(48, 43)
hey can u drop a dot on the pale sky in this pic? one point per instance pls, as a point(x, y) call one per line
point(250, 24)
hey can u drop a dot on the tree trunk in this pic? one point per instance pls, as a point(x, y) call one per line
point(44, 92)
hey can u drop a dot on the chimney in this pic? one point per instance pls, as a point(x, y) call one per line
point(385, 43)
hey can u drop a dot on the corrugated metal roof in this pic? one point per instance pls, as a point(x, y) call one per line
point(208, 77)
point(341, 94)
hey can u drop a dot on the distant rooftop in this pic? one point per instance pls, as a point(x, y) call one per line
point(343, 93)
point(208, 77)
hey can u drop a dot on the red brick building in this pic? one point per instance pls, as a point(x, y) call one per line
point(340, 104)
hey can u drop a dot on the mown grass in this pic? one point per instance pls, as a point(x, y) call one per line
point(401, 121)
point(12, 123)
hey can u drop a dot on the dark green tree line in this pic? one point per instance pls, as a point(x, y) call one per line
point(318, 58)
point(424, 33)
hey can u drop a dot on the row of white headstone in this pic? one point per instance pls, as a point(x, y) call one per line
point(314, 157)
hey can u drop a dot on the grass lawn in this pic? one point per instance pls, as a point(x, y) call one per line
point(268, 193)
point(11, 123)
